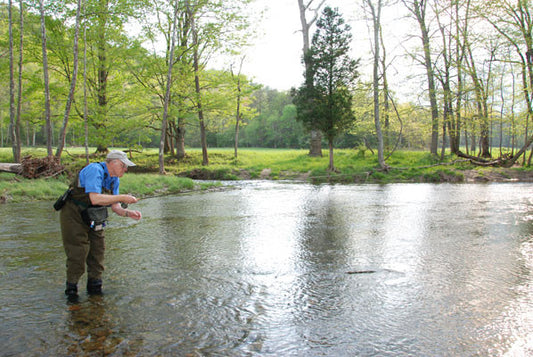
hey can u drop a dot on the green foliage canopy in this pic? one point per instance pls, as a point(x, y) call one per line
point(324, 102)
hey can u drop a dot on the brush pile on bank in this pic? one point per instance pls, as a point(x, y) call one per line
point(33, 168)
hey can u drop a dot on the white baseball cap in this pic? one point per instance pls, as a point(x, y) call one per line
point(120, 155)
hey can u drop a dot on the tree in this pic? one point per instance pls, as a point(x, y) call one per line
point(46, 77)
point(205, 29)
point(196, 67)
point(514, 23)
point(152, 71)
point(70, 98)
point(315, 147)
point(19, 96)
point(111, 53)
point(274, 123)
point(375, 11)
point(481, 91)
point(418, 9)
point(444, 76)
point(85, 104)
point(216, 27)
point(454, 124)
point(14, 131)
point(167, 92)
point(326, 105)
point(243, 90)
point(238, 113)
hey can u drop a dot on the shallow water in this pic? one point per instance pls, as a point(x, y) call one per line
point(283, 269)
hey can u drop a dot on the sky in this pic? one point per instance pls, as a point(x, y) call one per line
point(275, 58)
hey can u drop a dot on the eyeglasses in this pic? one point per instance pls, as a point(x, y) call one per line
point(124, 166)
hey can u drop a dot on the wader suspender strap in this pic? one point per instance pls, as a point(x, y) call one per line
point(84, 205)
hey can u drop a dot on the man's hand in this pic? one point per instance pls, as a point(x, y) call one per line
point(136, 215)
point(129, 199)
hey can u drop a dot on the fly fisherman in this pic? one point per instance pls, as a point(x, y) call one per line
point(83, 217)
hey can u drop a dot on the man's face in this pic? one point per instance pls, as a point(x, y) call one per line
point(117, 168)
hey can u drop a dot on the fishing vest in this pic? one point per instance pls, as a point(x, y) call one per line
point(78, 195)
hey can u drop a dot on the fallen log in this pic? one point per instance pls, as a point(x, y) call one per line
point(12, 168)
point(479, 161)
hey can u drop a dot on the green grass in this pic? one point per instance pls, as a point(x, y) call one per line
point(353, 166)
point(14, 188)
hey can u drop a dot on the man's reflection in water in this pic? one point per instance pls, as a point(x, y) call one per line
point(91, 328)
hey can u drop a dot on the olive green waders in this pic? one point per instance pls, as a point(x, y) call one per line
point(83, 246)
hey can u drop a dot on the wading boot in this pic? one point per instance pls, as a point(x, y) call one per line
point(94, 286)
point(71, 291)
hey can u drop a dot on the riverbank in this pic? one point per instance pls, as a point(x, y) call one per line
point(188, 174)
point(450, 175)
point(352, 166)
point(14, 188)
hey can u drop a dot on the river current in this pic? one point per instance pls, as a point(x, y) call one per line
point(283, 269)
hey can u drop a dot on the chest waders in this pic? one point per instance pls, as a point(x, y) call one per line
point(84, 246)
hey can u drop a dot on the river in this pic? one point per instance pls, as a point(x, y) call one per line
point(284, 269)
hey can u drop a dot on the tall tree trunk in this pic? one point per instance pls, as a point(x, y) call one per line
point(376, 19)
point(19, 97)
point(529, 61)
point(171, 135)
point(46, 84)
point(238, 114)
point(502, 114)
point(455, 126)
point(196, 65)
point(448, 120)
point(443, 147)
point(85, 106)
point(513, 125)
point(315, 145)
point(331, 166)
point(183, 37)
point(481, 93)
point(63, 133)
point(102, 67)
point(14, 132)
point(466, 139)
point(166, 102)
point(180, 138)
point(237, 120)
point(387, 139)
point(521, 18)
point(485, 133)
point(418, 8)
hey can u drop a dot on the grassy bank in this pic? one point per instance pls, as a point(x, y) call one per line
point(14, 188)
point(353, 166)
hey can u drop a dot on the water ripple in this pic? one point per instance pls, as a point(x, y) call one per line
point(277, 269)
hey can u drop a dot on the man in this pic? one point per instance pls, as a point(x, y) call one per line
point(83, 218)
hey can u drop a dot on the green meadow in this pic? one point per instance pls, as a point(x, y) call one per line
point(144, 180)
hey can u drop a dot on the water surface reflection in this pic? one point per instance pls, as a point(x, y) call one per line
point(285, 269)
